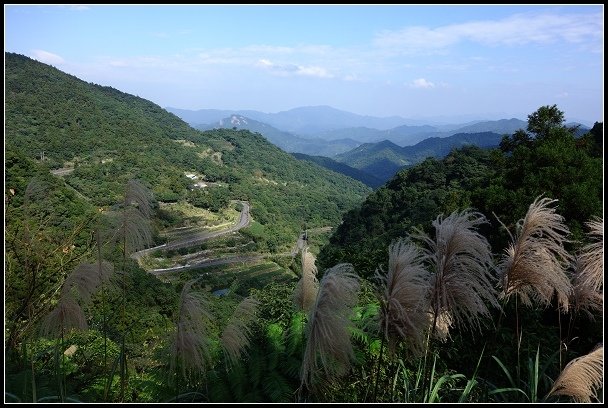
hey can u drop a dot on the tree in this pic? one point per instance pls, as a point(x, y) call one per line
point(544, 119)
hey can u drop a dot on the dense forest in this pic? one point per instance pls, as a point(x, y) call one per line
point(477, 277)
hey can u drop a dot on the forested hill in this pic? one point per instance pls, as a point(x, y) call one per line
point(548, 159)
point(338, 167)
point(104, 137)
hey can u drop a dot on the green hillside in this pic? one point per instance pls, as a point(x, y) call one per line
point(502, 181)
point(285, 140)
point(384, 159)
point(338, 167)
point(233, 308)
point(106, 137)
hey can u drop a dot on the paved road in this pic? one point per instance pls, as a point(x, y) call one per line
point(198, 237)
point(208, 262)
point(62, 171)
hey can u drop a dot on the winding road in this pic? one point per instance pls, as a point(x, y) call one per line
point(198, 237)
point(207, 263)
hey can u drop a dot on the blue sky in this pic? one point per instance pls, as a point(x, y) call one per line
point(450, 62)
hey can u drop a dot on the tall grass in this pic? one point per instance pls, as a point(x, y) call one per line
point(588, 280)
point(461, 282)
point(68, 314)
point(132, 232)
point(236, 335)
point(402, 294)
point(329, 350)
point(582, 377)
point(308, 285)
point(460, 258)
point(189, 344)
point(533, 267)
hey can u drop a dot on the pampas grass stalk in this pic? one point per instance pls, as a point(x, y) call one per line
point(189, 346)
point(134, 232)
point(582, 377)
point(401, 292)
point(462, 283)
point(307, 287)
point(68, 314)
point(533, 266)
point(587, 288)
point(328, 345)
point(235, 337)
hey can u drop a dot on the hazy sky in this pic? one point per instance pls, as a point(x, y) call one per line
point(486, 62)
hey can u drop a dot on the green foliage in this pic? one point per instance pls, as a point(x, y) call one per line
point(108, 137)
point(411, 199)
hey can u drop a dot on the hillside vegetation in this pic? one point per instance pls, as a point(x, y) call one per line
point(108, 137)
point(134, 273)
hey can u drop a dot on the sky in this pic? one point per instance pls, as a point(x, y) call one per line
point(438, 61)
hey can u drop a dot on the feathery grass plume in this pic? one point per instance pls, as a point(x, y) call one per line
point(133, 229)
point(138, 196)
point(402, 294)
point(442, 325)
point(533, 266)
point(66, 316)
point(80, 285)
point(328, 339)
point(587, 285)
point(462, 282)
point(307, 287)
point(582, 377)
point(189, 347)
point(235, 336)
point(88, 278)
point(132, 223)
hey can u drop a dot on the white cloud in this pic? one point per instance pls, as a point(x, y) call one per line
point(78, 7)
point(294, 69)
point(351, 77)
point(518, 29)
point(421, 83)
point(47, 57)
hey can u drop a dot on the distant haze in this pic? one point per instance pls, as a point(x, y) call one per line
point(431, 64)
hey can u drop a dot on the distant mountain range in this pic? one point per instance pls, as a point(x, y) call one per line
point(329, 124)
point(385, 158)
point(376, 146)
point(289, 142)
point(307, 120)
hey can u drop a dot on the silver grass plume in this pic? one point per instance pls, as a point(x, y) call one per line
point(138, 196)
point(462, 283)
point(66, 315)
point(442, 326)
point(582, 377)
point(87, 279)
point(133, 224)
point(328, 338)
point(533, 266)
point(402, 293)
point(236, 335)
point(587, 285)
point(79, 287)
point(307, 287)
point(189, 347)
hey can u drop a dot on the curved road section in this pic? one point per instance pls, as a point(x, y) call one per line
point(196, 238)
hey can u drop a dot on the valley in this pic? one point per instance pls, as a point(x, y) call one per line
point(149, 261)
